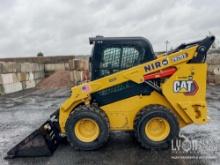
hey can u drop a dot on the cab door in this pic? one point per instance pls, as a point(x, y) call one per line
point(115, 58)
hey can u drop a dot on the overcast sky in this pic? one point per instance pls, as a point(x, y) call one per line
point(62, 27)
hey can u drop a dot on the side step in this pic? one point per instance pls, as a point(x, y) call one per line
point(41, 142)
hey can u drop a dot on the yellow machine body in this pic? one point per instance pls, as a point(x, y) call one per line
point(168, 93)
point(183, 93)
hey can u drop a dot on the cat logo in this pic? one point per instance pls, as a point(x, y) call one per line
point(188, 87)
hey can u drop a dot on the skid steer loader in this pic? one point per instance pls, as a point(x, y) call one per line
point(131, 89)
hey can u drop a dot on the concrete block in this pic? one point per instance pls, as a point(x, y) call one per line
point(1, 82)
point(85, 75)
point(1, 90)
point(21, 76)
point(38, 67)
point(18, 67)
point(76, 76)
point(10, 67)
point(86, 64)
point(1, 68)
point(49, 67)
point(214, 79)
point(54, 67)
point(8, 78)
point(213, 59)
point(11, 88)
point(59, 67)
point(214, 69)
point(78, 64)
point(67, 66)
point(30, 84)
point(37, 81)
point(71, 65)
point(31, 76)
point(31, 67)
point(217, 79)
point(39, 75)
point(79, 76)
point(26, 67)
point(210, 68)
point(23, 83)
point(211, 78)
point(42, 75)
point(36, 75)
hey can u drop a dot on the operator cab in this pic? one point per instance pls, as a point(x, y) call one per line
point(113, 54)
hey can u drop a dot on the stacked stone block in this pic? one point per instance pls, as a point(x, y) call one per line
point(213, 60)
point(50, 68)
point(79, 70)
point(19, 76)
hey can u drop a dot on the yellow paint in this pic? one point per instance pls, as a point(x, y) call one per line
point(191, 108)
point(157, 129)
point(121, 114)
point(87, 130)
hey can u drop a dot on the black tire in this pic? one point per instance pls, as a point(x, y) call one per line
point(91, 112)
point(144, 116)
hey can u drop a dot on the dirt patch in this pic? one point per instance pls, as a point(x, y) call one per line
point(58, 79)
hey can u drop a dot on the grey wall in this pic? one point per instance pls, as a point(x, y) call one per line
point(17, 74)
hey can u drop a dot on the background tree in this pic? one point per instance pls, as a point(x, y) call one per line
point(40, 54)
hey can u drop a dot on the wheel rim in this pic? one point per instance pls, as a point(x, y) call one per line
point(157, 129)
point(87, 130)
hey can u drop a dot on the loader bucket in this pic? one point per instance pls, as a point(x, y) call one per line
point(41, 142)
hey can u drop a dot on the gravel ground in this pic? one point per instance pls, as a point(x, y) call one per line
point(25, 111)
